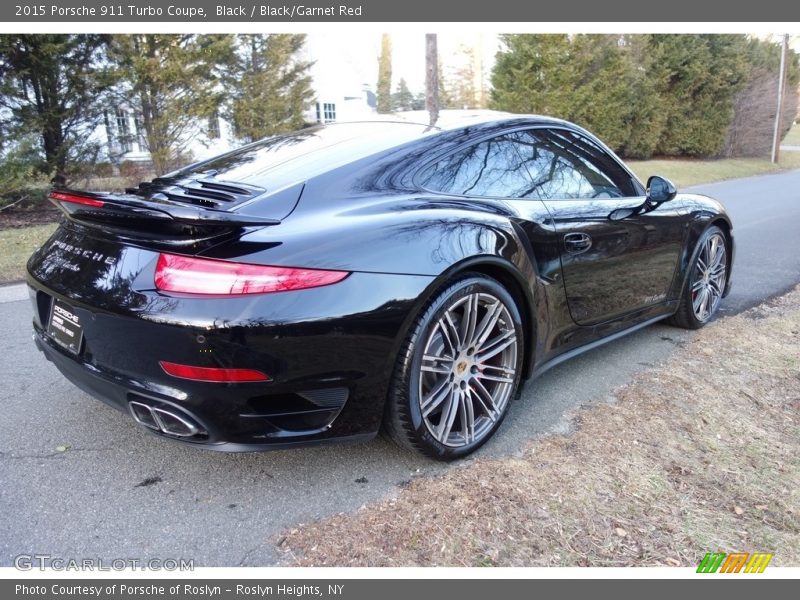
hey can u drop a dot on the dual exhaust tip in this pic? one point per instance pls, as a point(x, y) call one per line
point(164, 420)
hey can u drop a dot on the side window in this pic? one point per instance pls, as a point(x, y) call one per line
point(564, 164)
point(492, 168)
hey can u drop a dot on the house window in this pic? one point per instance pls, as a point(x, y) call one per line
point(213, 126)
point(141, 138)
point(123, 131)
point(326, 112)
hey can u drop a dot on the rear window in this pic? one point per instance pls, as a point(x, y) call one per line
point(282, 160)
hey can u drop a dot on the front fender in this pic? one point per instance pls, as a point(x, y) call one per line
point(701, 213)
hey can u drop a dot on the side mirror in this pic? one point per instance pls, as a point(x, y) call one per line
point(660, 190)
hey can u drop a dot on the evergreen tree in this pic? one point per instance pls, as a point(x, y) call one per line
point(646, 77)
point(462, 91)
point(445, 99)
point(642, 94)
point(534, 74)
point(270, 87)
point(384, 91)
point(173, 82)
point(602, 100)
point(52, 86)
point(705, 74)
point(402, 99)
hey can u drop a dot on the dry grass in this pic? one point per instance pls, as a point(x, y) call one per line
point(793, 137)
point(115, 184)
point(685, 171)
point(700, 454)
point(16, 247)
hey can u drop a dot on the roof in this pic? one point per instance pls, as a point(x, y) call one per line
point(278, 161)
point(455, 119)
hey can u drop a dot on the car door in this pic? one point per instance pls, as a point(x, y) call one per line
point(617, 254)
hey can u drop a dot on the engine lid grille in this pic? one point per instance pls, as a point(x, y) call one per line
point(204, 190)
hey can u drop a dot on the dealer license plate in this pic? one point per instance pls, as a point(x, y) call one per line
point(65, 326)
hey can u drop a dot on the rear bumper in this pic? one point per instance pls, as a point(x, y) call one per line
point(223, 436)
point(329, 373)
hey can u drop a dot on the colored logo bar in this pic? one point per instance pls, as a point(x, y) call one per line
point(735, 562)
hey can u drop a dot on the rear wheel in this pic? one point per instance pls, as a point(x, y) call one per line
point(706, 284)
point(458, 370)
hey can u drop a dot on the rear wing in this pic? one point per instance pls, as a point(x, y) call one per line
point(129, 211)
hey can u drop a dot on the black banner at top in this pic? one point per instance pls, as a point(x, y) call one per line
point(514, 11)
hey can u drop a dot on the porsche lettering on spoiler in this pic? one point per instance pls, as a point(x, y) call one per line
point(85, 253)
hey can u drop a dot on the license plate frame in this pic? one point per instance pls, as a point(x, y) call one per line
point(64, 326)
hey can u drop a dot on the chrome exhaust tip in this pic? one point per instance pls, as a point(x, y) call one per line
point(163, 420)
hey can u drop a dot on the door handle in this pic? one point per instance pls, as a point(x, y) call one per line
point(576, 243)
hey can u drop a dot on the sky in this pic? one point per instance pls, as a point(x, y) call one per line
point(355, 57)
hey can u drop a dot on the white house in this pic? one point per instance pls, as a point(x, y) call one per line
point(122, 137)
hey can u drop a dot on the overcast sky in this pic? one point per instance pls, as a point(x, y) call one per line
point(355, 57)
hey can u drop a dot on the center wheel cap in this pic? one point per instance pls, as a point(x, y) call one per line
point(461, 367)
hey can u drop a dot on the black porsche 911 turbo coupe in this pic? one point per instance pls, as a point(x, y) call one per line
point(318, 285)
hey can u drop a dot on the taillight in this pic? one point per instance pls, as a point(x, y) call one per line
point(190, 275)
point(75, 199)
point(211, 374)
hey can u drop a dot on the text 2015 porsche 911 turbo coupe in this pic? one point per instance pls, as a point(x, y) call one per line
point(319, 285)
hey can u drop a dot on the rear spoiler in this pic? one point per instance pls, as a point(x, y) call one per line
point(104, 207)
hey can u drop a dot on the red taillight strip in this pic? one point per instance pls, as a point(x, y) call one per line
point(63, 197)
point(214, 375)
point(190, 275)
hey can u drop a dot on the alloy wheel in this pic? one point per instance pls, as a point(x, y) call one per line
point(468, 369)
point(709, 279)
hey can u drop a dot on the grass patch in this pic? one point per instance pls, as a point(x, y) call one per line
point(793, 137)
point(684, 172)
point(701, 454)
point(17, 245)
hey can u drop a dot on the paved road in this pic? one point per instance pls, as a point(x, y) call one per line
point(119, 493)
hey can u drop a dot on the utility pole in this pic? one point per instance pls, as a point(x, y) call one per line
point(776, 133)
point(431, 78)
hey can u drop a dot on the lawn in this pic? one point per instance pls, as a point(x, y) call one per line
point(684, 172)
point(793, 137)
point(17, 245)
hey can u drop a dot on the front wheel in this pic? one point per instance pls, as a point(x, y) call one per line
point(706, 284)
point(457, 370)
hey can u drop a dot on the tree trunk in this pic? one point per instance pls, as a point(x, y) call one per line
point(431, 78)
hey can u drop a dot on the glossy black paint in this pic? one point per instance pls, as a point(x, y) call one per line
point(368, 213)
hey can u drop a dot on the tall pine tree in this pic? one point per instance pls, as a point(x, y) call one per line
point(385, 75)
point(534, 74)
point(173, 82)
point(705, 74)
point(270, 87)
point(402, 99)
point(51, 88)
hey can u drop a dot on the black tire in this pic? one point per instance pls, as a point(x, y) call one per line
point(686, 316)
point(405, 422)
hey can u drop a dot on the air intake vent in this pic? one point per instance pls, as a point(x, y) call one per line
point(202, 191)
